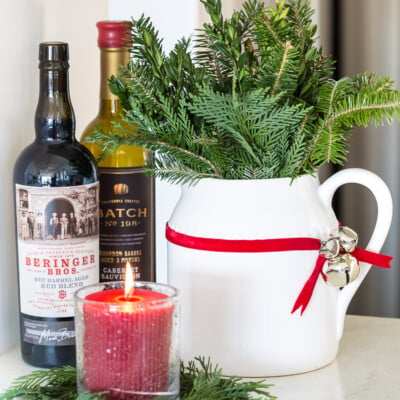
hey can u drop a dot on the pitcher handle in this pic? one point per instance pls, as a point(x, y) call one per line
point(384, 218)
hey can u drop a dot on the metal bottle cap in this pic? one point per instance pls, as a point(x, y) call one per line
point(53, 51)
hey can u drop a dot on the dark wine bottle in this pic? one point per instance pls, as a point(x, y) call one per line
point(56, 208)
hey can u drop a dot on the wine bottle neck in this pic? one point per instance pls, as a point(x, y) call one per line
point(111, 60)
point(54, 118)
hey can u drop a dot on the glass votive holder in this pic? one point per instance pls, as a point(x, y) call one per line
point(128, 347)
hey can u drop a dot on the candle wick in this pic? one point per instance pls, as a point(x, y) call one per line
point(129, 294)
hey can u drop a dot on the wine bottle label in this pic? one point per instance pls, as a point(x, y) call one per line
point(126, 223)
point(48, 332)
point(58, 246)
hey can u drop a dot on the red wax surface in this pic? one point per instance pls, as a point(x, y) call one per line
point(126, 348)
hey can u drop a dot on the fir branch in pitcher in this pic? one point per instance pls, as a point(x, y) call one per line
point(252, 97)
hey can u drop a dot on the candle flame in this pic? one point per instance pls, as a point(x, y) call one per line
point(129, 281)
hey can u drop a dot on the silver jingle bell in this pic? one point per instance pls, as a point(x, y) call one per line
point(348, 239)
point(330, 248)
point(342, 270)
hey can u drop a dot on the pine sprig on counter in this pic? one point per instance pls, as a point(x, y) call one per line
point(200, 380)
point(55, 383)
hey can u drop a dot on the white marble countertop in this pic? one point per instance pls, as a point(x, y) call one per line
point(367, 366)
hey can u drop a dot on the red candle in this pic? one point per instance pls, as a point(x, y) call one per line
point(126, 343)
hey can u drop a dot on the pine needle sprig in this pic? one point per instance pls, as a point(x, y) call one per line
point(350, 103)
point(261, 131)
point(56, 383)
point(165, 168)
point(199, 380)
point(314, 66)
point(224, 47)
point(148, 46)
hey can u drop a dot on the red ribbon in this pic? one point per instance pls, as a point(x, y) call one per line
point(273, 245)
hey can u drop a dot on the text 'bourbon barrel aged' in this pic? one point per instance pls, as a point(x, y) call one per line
point(56, 206)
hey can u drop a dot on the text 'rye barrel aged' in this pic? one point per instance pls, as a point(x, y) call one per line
point(126, 193)
point(56, 197)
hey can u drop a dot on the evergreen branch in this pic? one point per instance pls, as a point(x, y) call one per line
point(329, 129)
point(287, 47)
point(267, 28)
point(331, 97)
point(113, 139)
point(118, 85)
point(329, 154)
point(209, 58)
point(306, 165)
point(364, 109)
point(206, 106)
point(200, 380)
point(56, 383)
point(145, 45)
point(385, 83)
point(254, 98)
point(295, 157)
point(149, 139)
point(179, 176)
point(167, 147)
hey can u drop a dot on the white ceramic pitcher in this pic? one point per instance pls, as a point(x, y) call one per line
point(236, 307)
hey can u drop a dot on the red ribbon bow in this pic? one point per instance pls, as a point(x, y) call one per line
point(361, 255)
point(273, 245)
